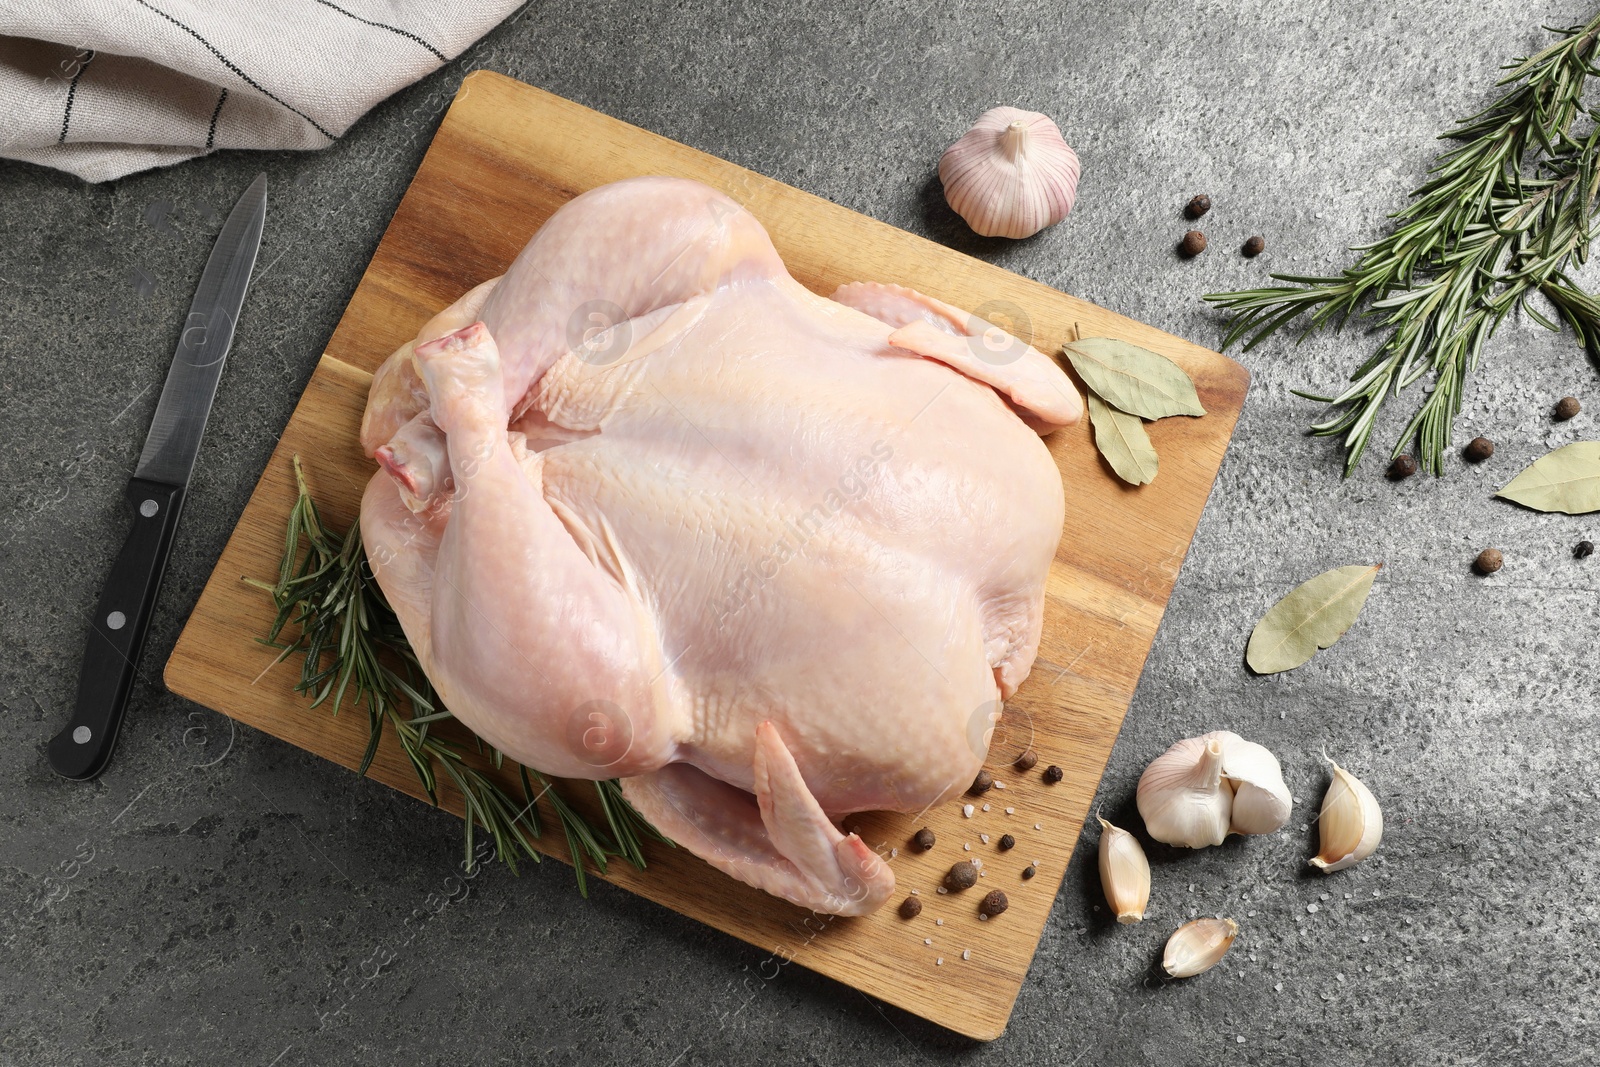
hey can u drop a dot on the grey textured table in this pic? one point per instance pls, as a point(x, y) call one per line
point(247, 902)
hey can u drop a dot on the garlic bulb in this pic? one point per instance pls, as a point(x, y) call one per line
point(1204, 788)
point(1011, 175)
point(1182, 797)
point(1198, 946)
point(1124, 873)
point(1351, 823)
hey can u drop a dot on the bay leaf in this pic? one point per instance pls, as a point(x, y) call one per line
point(1133, 379)
point(1120, 437)
point(1315, 615)
point(1566, 480)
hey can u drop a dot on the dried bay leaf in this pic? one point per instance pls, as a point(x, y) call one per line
point(1566, 480)
point(1120, 437)
point(1315, 615)
point(1133, 379)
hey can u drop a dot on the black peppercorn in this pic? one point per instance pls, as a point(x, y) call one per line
point(1029, 871)
point(1026, 761)
point(1197, 206)
point(910, 908)
point(1583, 549)
point(1254, 247)
point(1488, 561)
point(1402, 467)
point(1053, 774)
point(1193, 243)
point(994, 904)
point(1008, 842)
point(1567, 407)
point(963, 875)
point(1479, 449)
point(981, 784)
point(924, 839)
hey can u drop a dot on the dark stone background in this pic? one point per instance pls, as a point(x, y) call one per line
point(242, 893)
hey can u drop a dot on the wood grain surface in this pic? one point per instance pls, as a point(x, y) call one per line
point(508, 155)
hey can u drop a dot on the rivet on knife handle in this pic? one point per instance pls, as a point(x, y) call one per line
point(117, 632)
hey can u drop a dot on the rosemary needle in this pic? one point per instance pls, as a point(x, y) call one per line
point(354, 651)
point(1504, 214)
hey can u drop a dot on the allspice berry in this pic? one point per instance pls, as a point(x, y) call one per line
point(1026, 761)
point(923, 839)
point(1488, 561)
point(1053, 774)
point(1007, 842)
point(994, 904)
point(1567, 407)
point(1402, 467)
point(910, 908)
point(1197, 206)
point(981, 784)
point(1478, 450)
point(1583, 550)
point(1254, 247)
point(1193, 243)
point(1029, 871)
point(963, 875)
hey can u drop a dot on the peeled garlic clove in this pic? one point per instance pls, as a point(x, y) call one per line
point(1124, 873)
point(1261, 800)
point(1197, 946)
point(1011, 175)
point(1351, 823)
point(1182, 797)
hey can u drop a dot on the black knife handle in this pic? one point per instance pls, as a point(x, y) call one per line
point(116, 638)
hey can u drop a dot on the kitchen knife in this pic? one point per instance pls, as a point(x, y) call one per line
point(155, 493)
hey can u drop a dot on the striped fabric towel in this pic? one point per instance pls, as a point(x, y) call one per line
point(102, 88)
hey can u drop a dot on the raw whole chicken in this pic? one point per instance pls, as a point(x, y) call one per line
point(648, 508)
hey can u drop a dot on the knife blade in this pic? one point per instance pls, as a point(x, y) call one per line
point(156, 492)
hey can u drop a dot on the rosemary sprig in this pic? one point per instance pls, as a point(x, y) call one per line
point(1503, 215)
point(352, 647)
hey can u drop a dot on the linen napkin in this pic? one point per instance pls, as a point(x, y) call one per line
point(103, 88)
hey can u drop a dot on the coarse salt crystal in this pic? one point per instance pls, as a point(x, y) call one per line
point(939, 962)
point(1011, 811)
point(927, 941)
point(942, 891)
point(966, 953)
point(894, 852)
point(984, 838)
point(984, 918)
point(916, 892)
point(967, 810)
point(1312, 908)
point(1036, 826)
point(986, 807)
point(965, 847)
point(999, 785)
point(938, 922)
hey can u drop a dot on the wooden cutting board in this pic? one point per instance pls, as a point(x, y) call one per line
point(508, 155)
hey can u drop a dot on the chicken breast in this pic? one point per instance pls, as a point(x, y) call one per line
point(648, 508)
